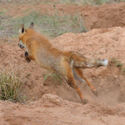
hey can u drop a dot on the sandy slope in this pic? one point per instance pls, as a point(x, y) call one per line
point(53, 103)
point(53, 110)
point(108, 108)
point(103, 43)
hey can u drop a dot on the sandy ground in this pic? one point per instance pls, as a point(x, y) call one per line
point(53, 110)
point(107, 108)
point(53, 103)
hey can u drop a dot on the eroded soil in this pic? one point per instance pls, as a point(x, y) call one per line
point(53, 102)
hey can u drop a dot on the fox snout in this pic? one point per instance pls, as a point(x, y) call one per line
point(20, 45)
point(26, 54)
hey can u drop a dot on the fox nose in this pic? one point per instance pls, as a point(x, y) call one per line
point(20, 45)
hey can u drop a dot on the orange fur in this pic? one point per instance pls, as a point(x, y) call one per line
point(67, 64)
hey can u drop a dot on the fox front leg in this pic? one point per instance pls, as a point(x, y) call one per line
point(27, 56)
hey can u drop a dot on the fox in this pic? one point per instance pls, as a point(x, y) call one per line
point(68, 64)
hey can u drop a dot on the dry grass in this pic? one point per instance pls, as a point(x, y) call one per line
point(10, 87)
point(117, 63)
point(50, 25)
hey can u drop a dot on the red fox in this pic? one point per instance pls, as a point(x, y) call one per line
point(68, 64)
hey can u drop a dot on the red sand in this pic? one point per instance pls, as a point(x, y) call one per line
point(52, 103)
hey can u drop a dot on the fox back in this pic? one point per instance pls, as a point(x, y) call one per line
point(67, 64)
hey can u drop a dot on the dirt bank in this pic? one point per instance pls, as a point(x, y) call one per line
point(108, 108)
point(51, 109)
point(53, 102)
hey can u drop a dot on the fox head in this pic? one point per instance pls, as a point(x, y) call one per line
point(24, 34)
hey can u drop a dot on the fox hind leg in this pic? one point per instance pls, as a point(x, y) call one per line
point(79, 74)
point(71, 81)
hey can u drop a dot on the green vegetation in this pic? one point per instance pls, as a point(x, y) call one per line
point(117, 63)
point(80, 2)
point(10, 88)
point(90, 2)
point(52, 25)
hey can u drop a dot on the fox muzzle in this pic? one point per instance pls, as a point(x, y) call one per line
point(21, 45)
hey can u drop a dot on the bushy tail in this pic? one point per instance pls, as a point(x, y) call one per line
point(83, 62)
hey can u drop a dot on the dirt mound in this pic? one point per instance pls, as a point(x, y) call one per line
point(104, 16)
point(51, 109)
point(106, 108)
point(101, 43)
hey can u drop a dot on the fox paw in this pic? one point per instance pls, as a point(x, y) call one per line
point(28, 59)
point(95, 92)
point(84, 101)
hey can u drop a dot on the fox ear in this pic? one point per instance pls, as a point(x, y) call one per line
point(22, 30)
point(31, 25)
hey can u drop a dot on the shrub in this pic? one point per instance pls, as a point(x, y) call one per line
point(10, 87)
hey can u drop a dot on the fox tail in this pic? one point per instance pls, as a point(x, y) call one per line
point(79, 61)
